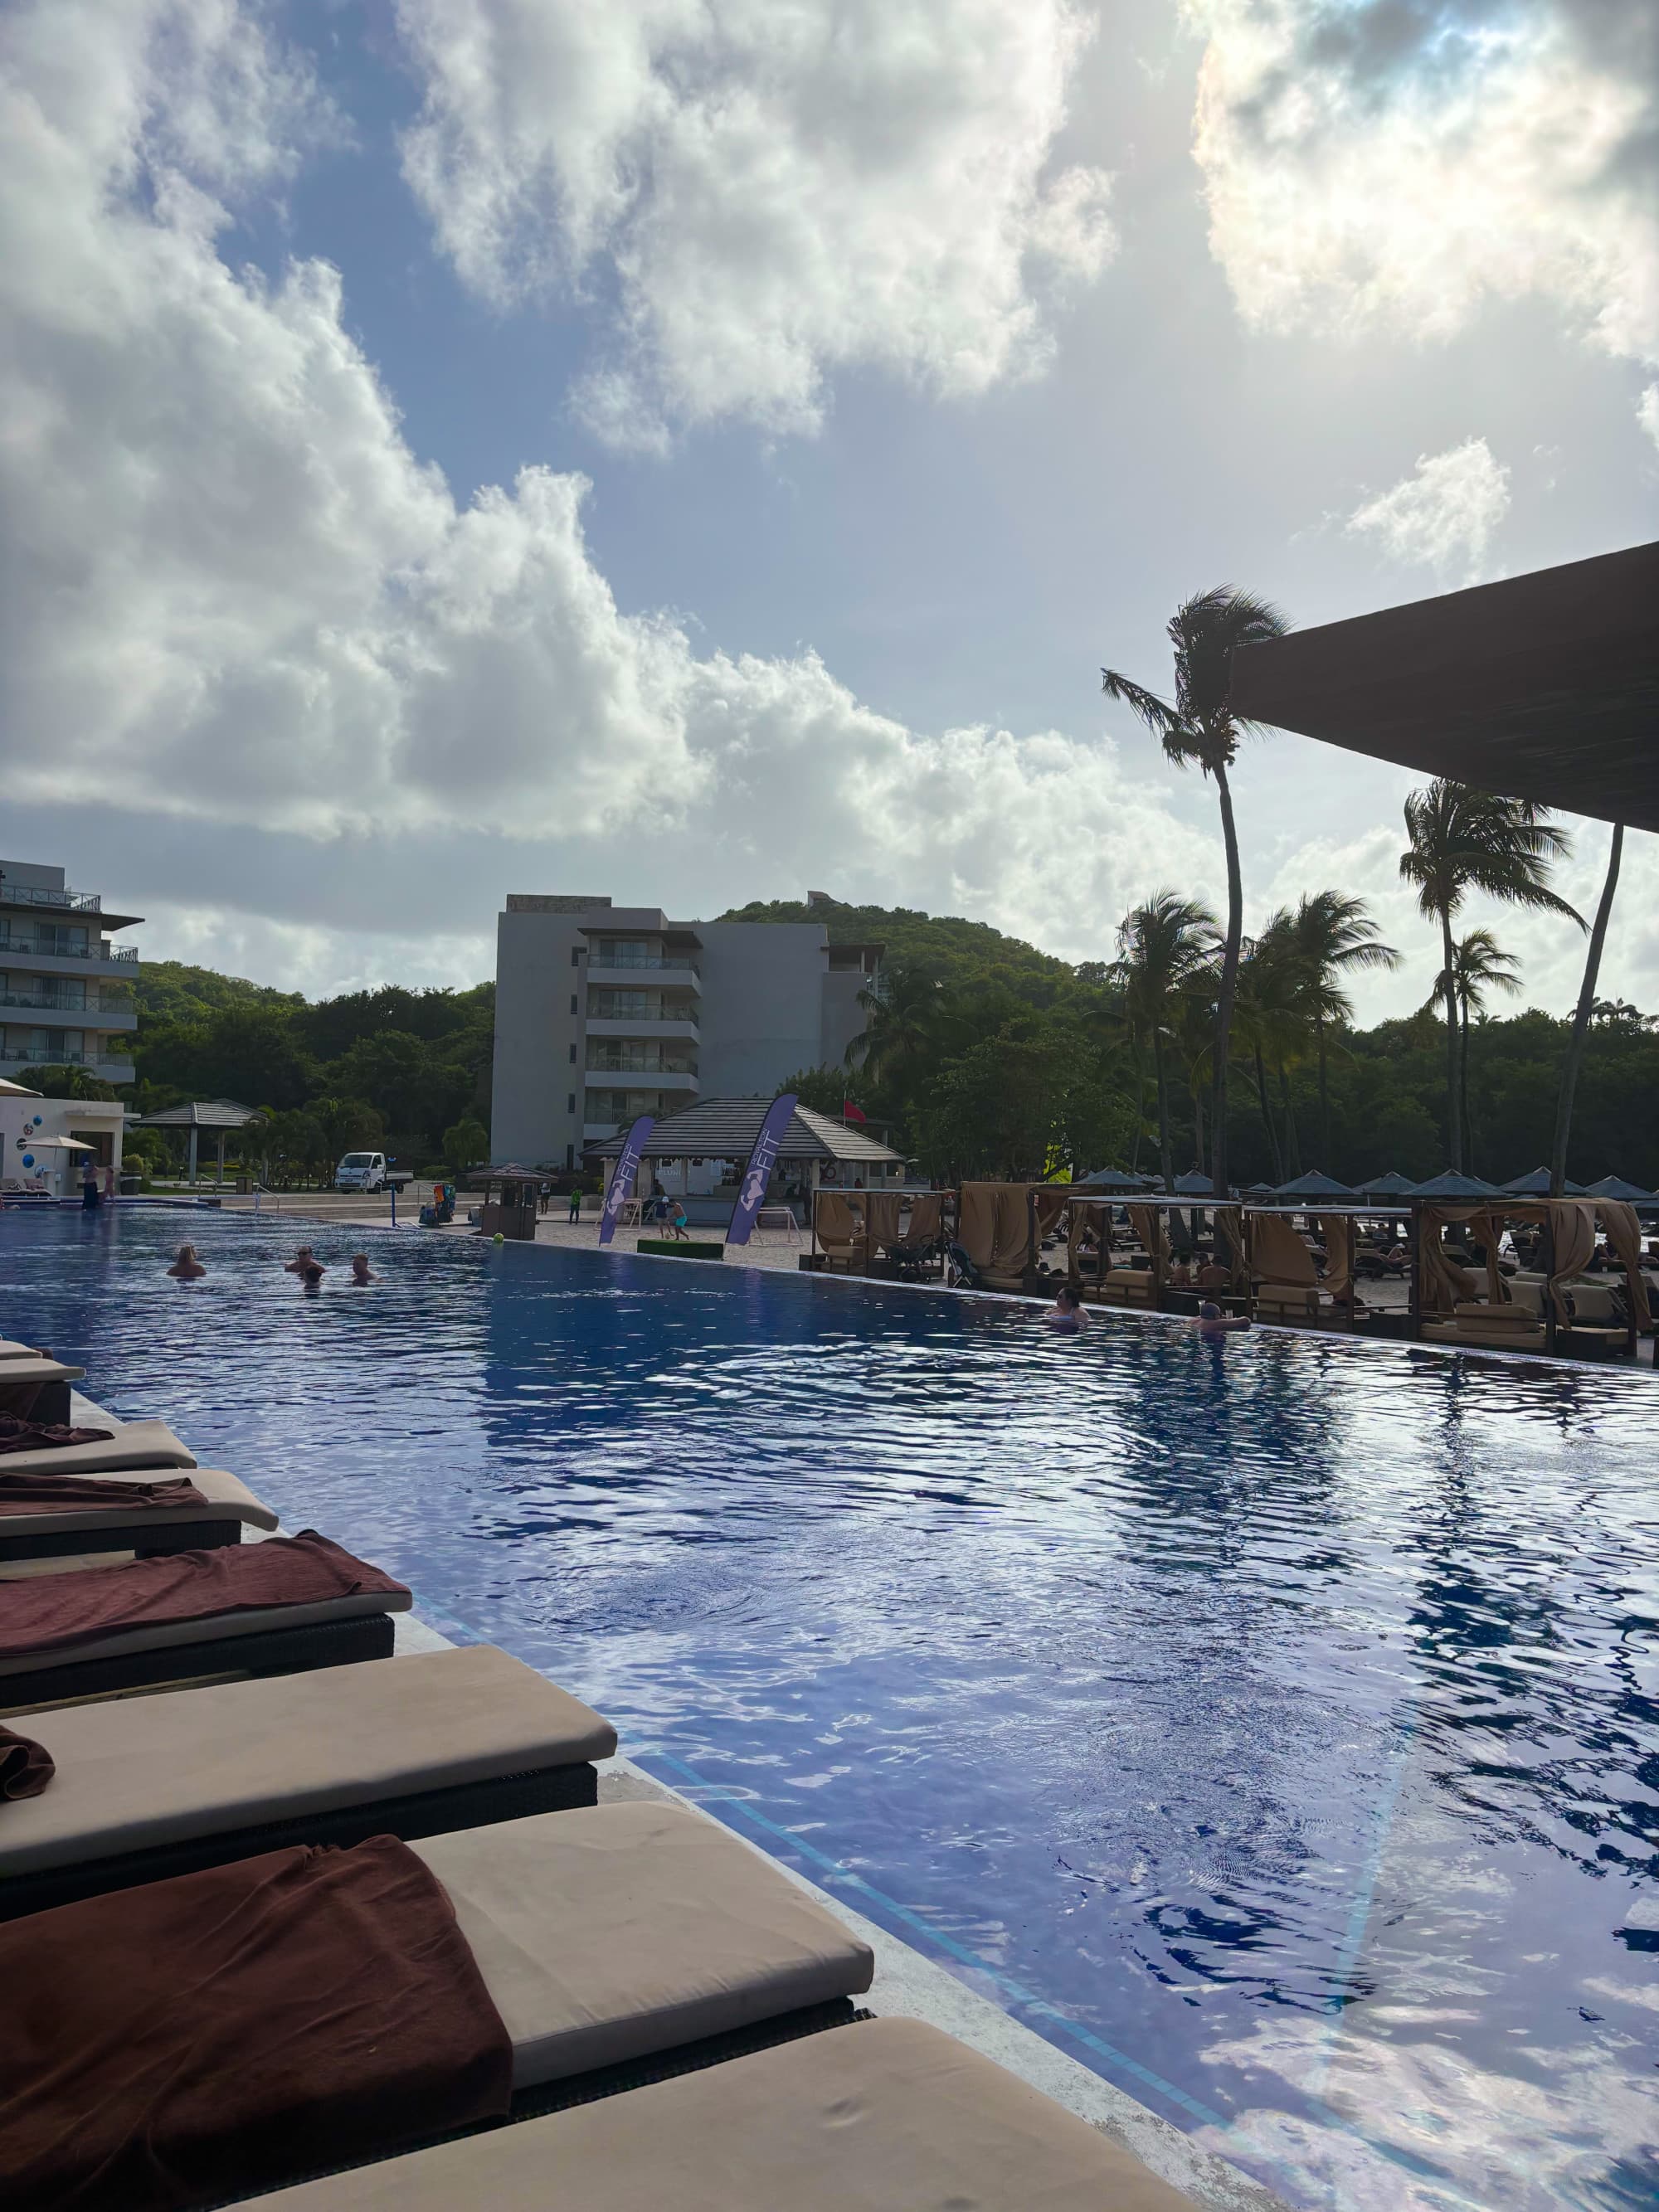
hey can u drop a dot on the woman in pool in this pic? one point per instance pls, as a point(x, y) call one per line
point(1066, 1316)
point(186, 1268)
point(311, 1275)
point(361, 1274)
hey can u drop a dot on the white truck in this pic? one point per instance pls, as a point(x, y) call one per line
point(364, 1171)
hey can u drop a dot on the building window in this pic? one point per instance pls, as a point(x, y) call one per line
point(570, 1104)
point(573, 1055)
point(576, 1007)
point(576, 956)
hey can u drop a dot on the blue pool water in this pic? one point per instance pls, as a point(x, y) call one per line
point(1271, 1725)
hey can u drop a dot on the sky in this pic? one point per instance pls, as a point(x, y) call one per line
point(703, 450)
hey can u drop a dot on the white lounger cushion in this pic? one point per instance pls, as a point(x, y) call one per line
point(132, 1445)
point(228, 1499)
point(618, 1929)
point(29, 1367)
point(9, 1350)
point(886, 2116)
point(216, 1627)
point(135, 1772)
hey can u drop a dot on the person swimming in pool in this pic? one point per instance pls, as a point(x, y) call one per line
point(1066, 1316)
point(361, 1274)
point(311, 1275)
point(186, 1268)
point(301, 1260)
point(1214, 1324)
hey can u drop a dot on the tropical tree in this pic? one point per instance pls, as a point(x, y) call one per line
point(1273, 1026)
point(1164, 948)
point(1199, 726)
point(1480, 965)
point(1464, 841)
point(1589, 1006)
point(1334, 934)
point(900, 1009)
point(70, 1081)
point(465, 1143)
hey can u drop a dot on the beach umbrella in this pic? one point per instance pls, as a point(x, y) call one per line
point(1112, 1179)
point(1313, 1186)
point(1194, 1184)
point(1450, 1184)
point(1537, 1185)
point(1617, 1187)
point(1392, 1185)
point(15, 1090)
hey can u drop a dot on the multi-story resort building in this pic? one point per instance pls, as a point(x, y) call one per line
point(604, 1012)
point(65, 989)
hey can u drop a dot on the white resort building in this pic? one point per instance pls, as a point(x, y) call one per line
point(604, 1012)
point(65, 989)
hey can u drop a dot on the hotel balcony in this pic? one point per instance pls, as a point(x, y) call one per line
point(680, 1028)
point(672, 1083)
point(671, 971)
point(108, 1067)
point(39, 958)
point(64, 1012)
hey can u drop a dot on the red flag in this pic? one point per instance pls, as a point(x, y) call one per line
point(850, 1112)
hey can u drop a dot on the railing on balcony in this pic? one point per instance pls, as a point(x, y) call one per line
point(27, 948)
point(681, 964)
point(22, 1056)
point(30, 895)
point(39, 1002)
point(642, 1068)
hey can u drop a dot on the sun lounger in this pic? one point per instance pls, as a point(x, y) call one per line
point(22, 1367)
point(611, 1943)
point(11, 1350)
point(884, 2116)
point(275, 1607)
point(153, 1787)
point(227, 1507)
point(130, 1445)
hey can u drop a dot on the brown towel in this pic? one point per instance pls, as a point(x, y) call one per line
point(48, 1612)
point(228, 2032)
point(70, 1493)
point(26, 1766)
point(46, 1436)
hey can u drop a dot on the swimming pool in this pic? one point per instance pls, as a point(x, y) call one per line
point(1273, 1725)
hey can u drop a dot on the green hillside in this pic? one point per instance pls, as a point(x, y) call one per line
point(944, 947)
point(174, 991)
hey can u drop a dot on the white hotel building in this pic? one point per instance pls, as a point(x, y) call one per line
point(604, 1012)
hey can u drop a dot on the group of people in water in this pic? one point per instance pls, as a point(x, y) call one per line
point(1067, 1318)
point(187, 1268)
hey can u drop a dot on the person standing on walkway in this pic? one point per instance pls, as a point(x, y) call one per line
point(575, 1201)
point(90, 1194)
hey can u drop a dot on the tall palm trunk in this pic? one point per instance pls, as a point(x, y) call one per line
point(1581, 1017)
point(1198, 1125)
point(1324, 1099)
point(1268, 1118)
point(1228, 990)
point(1453, 1101)
point(1464, 1085)
point(1166, 1158)
point(1140, 1111)
point(1292, 1134)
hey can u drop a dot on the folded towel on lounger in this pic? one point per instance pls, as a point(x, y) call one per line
point(50, 1612)
point(229, 2029)
point(17, 1435)
point(26, 1766)
point(44, 1493)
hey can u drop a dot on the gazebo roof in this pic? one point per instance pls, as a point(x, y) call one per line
point(1314, 1184)
point(1537, 1185)
point(1117, 1179)
point(1545, 686)
point(203, 1114)
point(1194, 1184)
point(726, 1129)
point(1450, 1184)
point(1617, 1187)
point(1392, 1185)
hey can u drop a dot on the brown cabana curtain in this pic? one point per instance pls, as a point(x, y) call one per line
point(1012, 1255)
point(1337, 1231)
point(977, 1221)
point(1149, 1226)
point(835, 1224)
point(1572, 1240)
point(1623, 1233)
point(881, 1216)
point(1277, 1254)
point(1230, 1232)
point(1097, 1218)
point(1443, 1286)
point(927, 1216)
point(1051, 1203)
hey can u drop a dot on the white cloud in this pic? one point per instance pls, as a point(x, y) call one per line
point(769, 193)
point(1647, 412)
point(1387, 165)
point(240, 597)
point(1443, 515)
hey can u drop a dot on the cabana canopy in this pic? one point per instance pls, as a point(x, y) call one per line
point(1537, 1185)
point(1392, 1185)
point(1193, 1184)
point(204, 1114)
point(1616, 1186)
point(726, 1129)
point(1545, 686)
point(1113, 1179)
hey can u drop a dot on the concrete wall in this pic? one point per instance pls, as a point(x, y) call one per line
point(761, 1004)
point(535, 1076)
point(99, 1121)
point(844, 1018)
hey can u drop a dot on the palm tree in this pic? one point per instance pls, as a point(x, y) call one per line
point(900, 1006)
point(1163, 947)
point(1275, 1023)
point(1588, 1005)
point(1200, 726)
point(1463, 841)
point(1335, 934)
point(1480, 965)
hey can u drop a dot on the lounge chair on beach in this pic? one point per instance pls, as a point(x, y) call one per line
point(149, 1788)
point(275, 1607)
point(147, 1511)
point(395, 1991)
point(884, 2116)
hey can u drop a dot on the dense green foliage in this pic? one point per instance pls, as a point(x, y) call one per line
point(389, 1068)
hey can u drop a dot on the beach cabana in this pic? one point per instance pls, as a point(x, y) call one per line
point(219, 1115)
point(1310, 1188)
point(1112, 1182)
point(1537, 1185)
point(1612, 1186)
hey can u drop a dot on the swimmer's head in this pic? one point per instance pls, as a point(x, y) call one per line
point(1209, 1310)
point(1068, 1297)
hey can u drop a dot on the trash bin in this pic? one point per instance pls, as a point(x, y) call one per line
point(130, 1184)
